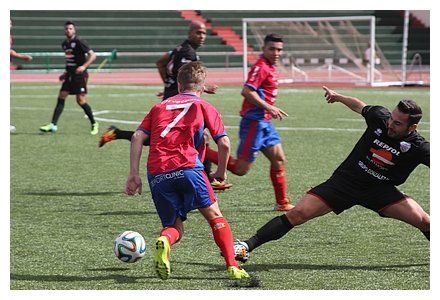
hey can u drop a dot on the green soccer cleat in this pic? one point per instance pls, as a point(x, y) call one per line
point(49, 128)
point(237, 273)
point(95, 128)
point(162, 258)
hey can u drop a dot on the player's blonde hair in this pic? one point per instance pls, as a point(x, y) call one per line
point(192, 76)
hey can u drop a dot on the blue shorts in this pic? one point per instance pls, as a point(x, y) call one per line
point(255, 136)
point(178, 192)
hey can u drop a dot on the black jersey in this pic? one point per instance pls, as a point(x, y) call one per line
point(182, 54)
point(377, 158)
point(75, 52)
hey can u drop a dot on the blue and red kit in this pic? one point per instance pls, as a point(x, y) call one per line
point(176, 176)
point(256, 130)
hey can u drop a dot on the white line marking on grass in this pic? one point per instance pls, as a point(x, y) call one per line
point(117, 121)
point(102, 95)
point(318, 129)
point(102, 112)
point(362, 120)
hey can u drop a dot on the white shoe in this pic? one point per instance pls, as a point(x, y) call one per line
point(241, 250)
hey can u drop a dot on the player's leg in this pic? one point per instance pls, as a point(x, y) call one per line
point(224, 239)
point(114, 133)
point(79, 88)
point(81, 100)
point(409, 211)
point(236, 166)
point(276, 156)
point(168, 237)
point(249, 145)
point(309, 206)
point(207, 165)
point(52, 126)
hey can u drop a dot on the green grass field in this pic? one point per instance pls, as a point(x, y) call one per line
point(67, 204)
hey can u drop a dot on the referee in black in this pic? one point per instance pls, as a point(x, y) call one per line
point(79, 56)
point(383, 158)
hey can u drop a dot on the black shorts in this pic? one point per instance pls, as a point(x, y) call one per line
point(75, 84)
point(340, 194)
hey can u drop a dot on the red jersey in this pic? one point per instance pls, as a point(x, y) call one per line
point(262, 78)
point(175, 127)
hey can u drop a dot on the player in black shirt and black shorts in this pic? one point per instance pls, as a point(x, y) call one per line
point(168, 66)
point(79, 56)
point(388, 151)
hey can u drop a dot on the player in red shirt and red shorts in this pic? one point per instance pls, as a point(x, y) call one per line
point(175, 171)
point(257, 132)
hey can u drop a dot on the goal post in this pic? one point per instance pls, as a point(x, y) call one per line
point(322, 49)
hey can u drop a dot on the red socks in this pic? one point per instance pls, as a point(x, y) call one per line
point(171, 233)
point(224, 239)
point(212, 156)
point(279, 183)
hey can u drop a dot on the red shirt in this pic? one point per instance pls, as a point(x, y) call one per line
point(262, 78)
point(175, 127)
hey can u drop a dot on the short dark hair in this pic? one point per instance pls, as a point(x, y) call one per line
point(411, 108)
point(273, 37)
point(69, 23)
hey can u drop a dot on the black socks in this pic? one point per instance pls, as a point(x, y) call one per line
point(58, 110)
point(272, 230)
point(88, 110)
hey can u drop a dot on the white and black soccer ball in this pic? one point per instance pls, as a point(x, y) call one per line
point(129, 246)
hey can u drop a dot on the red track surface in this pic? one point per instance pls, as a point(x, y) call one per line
point(221, 77)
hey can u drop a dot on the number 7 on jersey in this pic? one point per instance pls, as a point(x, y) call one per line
point(185, 107)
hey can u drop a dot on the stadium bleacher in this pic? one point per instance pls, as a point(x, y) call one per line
point(156, 32)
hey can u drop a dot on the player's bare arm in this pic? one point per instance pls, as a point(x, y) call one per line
point(161, 65)
point(252, 97)
point(353, 103)
point(24, 57)
point(91, 57)
point(134, 182)
point(224, 149)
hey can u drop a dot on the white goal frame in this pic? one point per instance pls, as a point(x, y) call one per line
point(372, 32)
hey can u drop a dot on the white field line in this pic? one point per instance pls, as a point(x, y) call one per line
point(117, 121)
point(362, 120)
point(281, 91)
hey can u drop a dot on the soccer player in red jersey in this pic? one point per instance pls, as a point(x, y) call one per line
point(175, 173)
point(257, 132)
point(168, 65)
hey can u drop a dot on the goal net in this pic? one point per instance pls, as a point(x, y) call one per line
point(332, 49)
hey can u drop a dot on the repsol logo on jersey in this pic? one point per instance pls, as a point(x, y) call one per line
point(386, 147)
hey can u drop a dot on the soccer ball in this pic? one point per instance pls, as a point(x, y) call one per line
point(129, 246)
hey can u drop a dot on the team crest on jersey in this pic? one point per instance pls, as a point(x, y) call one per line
point(73, 45)
point(404, 146)
point(378, 131)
